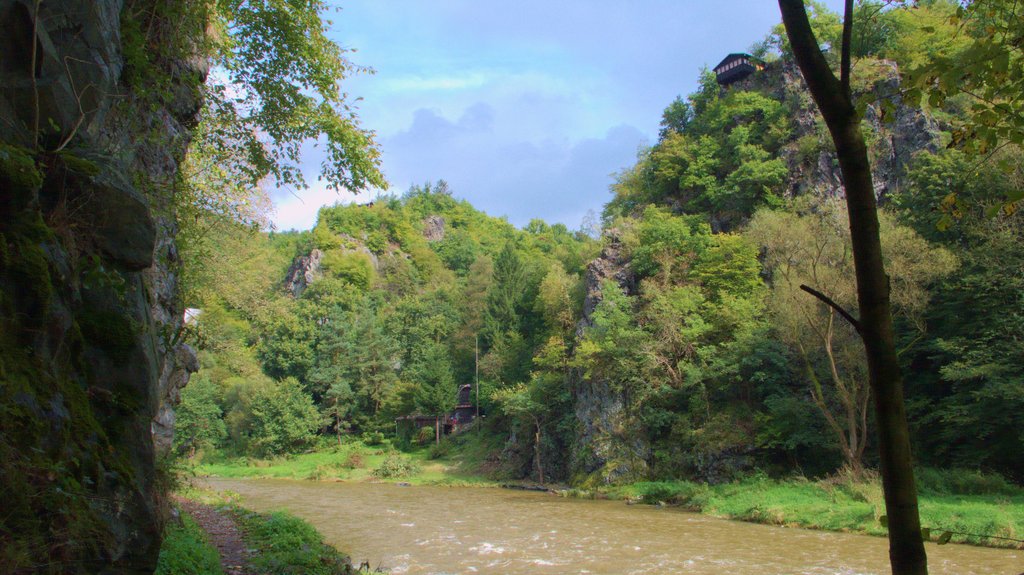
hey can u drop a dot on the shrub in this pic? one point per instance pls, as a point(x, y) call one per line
point(353, 461)
point(425, 435)
point(807, 149)
point(373, 438)
point(667, 491)
point(319, 472)
point(396, 465)
point(199, 420)
point(439, 450)
point(964, 482)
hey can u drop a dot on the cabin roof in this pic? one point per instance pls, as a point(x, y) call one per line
point(734, 56)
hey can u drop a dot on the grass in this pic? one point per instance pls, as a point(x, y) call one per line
point(288, 545)
point(283, 543)
point(186, 550)
point(977, 509)
point(356, 461)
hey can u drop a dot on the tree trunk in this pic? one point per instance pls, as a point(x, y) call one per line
point(536, 452)
point(437, 430)
point(833, 97)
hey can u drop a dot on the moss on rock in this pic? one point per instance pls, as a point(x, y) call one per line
point(113, 332)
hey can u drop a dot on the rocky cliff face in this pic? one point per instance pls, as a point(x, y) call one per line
point(433, 228)
point(90, 355)
point(893, 137)
point(304, 271)
point(610, 445)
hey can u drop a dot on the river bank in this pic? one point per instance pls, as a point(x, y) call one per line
point(217, 536)
point(975, 508)
point(432, 530)
point(989, 516)
point(358, 461)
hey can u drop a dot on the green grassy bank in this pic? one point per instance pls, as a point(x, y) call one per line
point(186, 550)
point(283, 544)
point(976, 508)
point(359, 461)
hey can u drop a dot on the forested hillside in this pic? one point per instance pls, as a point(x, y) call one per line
point(679, 344)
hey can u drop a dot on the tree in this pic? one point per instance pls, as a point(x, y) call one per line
point(505, 297)
point(675, 117)
point(814, 249)
point(474, 307)
point(988, 68)
point(279, 87)
point(875, 325)
point(199, 420)
point(667, 245)
point(555, 301)
point(614, 348)
point(355, 351)
point(435, 391)
point(339, 404)
point(518, 402)
point(717, 153)
point(968, 408)
point(283, 418)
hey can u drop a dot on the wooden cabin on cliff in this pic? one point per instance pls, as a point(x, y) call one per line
point(736, 67)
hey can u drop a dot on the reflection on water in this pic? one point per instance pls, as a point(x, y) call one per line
point(447, 530)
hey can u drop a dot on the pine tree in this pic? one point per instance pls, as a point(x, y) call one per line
point(505, 298)
point(435, 384)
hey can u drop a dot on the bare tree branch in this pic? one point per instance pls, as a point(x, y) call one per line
point(828, 301)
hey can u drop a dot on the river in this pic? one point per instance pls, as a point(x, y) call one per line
point(447, 530)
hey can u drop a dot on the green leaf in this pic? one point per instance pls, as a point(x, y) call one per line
point(926, 534)
point(884, 520)
point(1001, 62)
point(945, 537)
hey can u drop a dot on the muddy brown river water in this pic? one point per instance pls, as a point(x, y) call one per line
point(449, 530)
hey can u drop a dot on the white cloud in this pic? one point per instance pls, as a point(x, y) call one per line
point(440, 83)
point(298, 210)
point(556, 179)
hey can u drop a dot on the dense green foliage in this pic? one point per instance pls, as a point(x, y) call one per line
point(718, 155)
point(389, 328)
point(722, 364)
point(199, 420)
point(965, 398)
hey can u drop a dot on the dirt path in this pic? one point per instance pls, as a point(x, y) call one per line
point(224, 534)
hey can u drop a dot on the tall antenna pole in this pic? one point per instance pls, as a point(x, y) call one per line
point(476, 384)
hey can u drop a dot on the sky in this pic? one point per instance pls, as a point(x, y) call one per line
point(528, 108)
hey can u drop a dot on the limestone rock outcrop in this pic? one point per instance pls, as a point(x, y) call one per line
point(433, 228)
point(610, 446)
point(304, 271)
point(893, 140)
point(91, 358)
